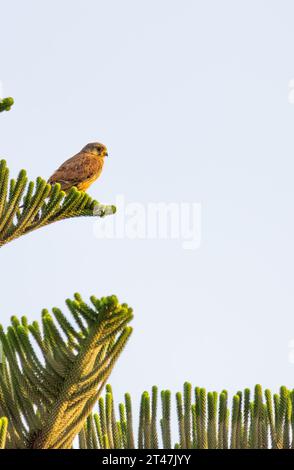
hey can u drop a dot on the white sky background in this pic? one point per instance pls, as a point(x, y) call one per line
point(191, 99)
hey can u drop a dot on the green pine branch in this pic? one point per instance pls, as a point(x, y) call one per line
point(26, 206)
point(52, 375)
point(6, 103)
point(260, 423)
point(3, 432)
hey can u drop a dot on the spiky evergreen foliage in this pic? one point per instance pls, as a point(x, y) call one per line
point(26, 206)
point(206, 422)
point(5, 104)
point(3, 432)
point(51, 376)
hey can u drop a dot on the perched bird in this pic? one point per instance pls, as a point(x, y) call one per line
point(82, 169)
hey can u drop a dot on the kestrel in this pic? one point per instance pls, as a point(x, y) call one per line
point(82, 169)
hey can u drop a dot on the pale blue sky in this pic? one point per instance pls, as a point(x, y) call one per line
point(191, 99)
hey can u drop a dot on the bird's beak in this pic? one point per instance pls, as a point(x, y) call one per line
point(106, 154)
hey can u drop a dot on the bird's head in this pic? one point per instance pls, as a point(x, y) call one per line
point(96, 149)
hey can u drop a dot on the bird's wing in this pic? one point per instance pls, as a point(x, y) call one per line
point(79, 168)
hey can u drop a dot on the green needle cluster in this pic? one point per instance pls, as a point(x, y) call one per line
point(26, 206)
point(205, 421)
point(6, 103)
point(51, 375)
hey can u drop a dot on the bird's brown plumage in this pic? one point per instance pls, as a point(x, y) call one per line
point(82, 169)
